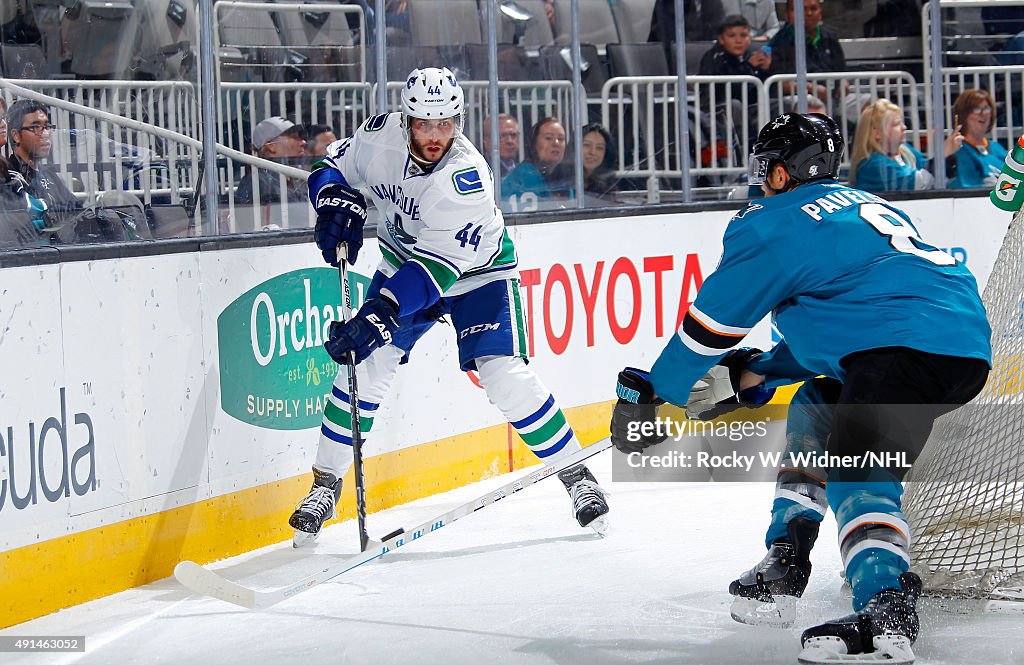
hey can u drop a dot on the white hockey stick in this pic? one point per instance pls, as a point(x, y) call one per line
point(207, 582)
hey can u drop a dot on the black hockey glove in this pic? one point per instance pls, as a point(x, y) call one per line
point(635, 412)
point(340, 215)
point(373, 326)
point(718, 393)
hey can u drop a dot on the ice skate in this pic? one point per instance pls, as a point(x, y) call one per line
point(588, 501)
point(766, 594)
point(881, 632)
point(318, 506)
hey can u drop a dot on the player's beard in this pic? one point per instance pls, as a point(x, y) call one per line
point(423, 160)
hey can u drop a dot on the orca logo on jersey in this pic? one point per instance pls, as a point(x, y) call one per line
point(468, 181)
point(750, 208)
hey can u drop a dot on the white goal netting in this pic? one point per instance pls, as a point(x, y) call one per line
point(965, 496)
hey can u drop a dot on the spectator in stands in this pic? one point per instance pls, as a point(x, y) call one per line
point(697, 15)
point(541, 179)
point(3, 131)
point(882, 160)
point(814, 105)
point(732, 56)
point(549, 11)
point(979, 160)
point(29, 135)
point(16, 227)
point(895, 18)
point(318, 137)
point(279, 140)
point(599, 179)
point(760, 15)
point(824, 53)
point(509, 137)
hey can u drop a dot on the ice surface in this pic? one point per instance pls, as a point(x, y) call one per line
point(518, 583)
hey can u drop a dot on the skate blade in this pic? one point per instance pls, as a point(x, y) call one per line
point(600, 525)
point(778, 614)
point(890, 649)
point(303, 538)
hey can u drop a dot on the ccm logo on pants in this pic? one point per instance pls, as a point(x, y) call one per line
point(478, 328)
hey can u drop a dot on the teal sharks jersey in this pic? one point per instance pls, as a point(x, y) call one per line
point(842, 271)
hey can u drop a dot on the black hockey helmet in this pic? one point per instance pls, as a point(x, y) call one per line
point(809, 145)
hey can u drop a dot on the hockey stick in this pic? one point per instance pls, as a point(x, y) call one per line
point(353, 400)
point(207, 582)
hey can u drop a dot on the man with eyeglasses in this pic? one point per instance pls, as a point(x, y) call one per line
point(508, 142)
point(279, 140)
point(29, 134)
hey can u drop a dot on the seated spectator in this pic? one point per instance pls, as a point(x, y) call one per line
point(814, 105)
point(697, 15)
point(541, 179)
point(54, 209)
point(3, 128)
point(731, 55)
point(760, 15)
point(979, 160)
point(882, 160)
point(508, 143)
point(824, 53)
point(895, 18)
point(318, 137)
point(278, 140)
point(599, 179)
point(16, 226)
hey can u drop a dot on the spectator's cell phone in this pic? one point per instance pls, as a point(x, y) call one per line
point(767, 50)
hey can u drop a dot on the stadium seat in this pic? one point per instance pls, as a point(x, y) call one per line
point(167, 40)
point(647, 59)
point(557, 59)
point(323, 42)
point(535, 32)
point(96, 32)
point(23, 61)
point(597, 26)
point(444, 22)
point(250, 46)
point(513, 63)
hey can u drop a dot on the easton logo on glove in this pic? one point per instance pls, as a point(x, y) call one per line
point(381, 327)
point(336, 202)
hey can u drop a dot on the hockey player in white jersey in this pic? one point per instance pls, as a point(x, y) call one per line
point(445, 252)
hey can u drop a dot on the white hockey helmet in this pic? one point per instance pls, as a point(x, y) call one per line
point(432, 93)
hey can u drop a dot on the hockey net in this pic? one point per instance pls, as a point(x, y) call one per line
point(965, 495)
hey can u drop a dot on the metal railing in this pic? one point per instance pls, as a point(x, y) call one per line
point(96, 155)
point(724, 114)
point(846, 93)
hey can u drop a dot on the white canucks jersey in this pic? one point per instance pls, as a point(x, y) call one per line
point(445, 220)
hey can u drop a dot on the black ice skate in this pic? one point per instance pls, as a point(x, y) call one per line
point(766, 594)
point(316, 508)
point(881, 632)
point(588, 503)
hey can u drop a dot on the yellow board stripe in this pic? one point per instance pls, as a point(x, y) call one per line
point(61, 572)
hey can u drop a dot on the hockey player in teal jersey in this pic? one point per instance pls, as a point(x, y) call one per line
point(896, 334)
point(446, 252)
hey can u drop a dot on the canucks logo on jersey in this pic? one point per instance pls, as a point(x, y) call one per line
point(468, 181)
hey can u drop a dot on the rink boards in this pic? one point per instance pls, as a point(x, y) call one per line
point(167, 407)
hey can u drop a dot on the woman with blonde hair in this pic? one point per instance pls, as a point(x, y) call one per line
point(980, 159)
point(883, 161)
